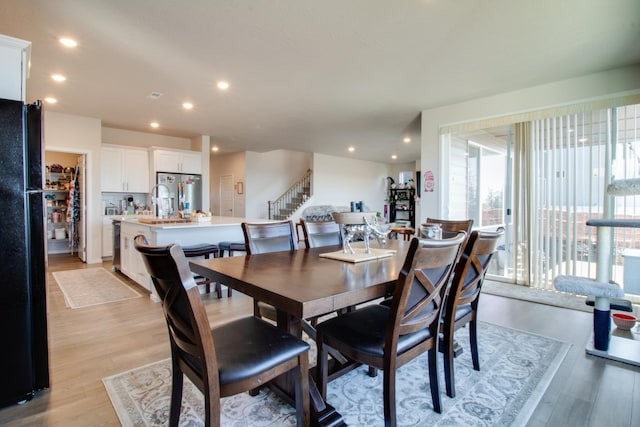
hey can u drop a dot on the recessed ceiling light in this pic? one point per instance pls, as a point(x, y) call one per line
point(154, 125)
point(50, 100)
point(407, 140)
point(352, 149)
point(66, 41)
point(187, 105)
point(393, 156)
point(222, 85)
point(58, 77)
point(214, 148)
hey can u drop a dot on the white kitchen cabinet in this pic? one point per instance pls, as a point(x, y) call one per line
point(124, 170)
point(177, 161)
point(107, 237)
point(14, 63)
point(131, 263)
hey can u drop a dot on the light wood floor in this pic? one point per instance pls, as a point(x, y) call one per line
point(91, 343)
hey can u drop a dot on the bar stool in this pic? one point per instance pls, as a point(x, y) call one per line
point(231, 247)
point(206, 250)
point(406, 232)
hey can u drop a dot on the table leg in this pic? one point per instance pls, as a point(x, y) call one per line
point(322, 414)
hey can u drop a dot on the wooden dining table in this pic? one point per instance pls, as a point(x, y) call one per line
point(302, 284)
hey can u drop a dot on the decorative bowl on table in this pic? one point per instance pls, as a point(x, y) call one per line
point(353, 218)
point(201, 217)
point(624, 321)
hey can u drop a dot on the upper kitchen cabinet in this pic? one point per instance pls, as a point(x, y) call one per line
point(124, 169)
point(177, 161)
point(14, 62)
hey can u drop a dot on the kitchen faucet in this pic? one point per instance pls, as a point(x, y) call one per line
point(157, 201)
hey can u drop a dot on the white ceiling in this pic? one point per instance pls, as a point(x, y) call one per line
point(308, 75)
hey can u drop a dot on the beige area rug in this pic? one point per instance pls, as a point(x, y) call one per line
point(540, 296)
point(516, 369)
point(92, 286)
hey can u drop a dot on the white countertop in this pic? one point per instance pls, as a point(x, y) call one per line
point(216, 221)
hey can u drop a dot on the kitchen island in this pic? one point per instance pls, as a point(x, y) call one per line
point(163, 232)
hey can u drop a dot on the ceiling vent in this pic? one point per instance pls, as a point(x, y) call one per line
point(155, 95)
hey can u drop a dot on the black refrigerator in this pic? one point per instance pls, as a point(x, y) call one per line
point(24, 358)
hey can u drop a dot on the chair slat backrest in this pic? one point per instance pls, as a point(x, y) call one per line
point(453, 225)
point(421, 284)
point(185, 314)
point(321, 233)
point(269, 237)
point(471, 269)
point(450, 227)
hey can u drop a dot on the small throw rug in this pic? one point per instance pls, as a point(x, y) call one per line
point(92, 286)
point(539, 296)
point(515, 370)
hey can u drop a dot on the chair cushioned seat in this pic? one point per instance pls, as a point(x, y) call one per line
point(231, 247)
point(246, 347)
point(364, 330)
point(463, 310)
point(199, 250)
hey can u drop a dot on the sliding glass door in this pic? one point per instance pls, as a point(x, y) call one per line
point(542, 180)
point(480, 187)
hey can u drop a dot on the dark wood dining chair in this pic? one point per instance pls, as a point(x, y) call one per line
point(387, 337)
point(452, 225)
point(238, 356)
point(461, 306)
point(266, 237)
point(321, 233)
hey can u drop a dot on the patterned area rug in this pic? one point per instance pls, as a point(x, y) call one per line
point(516, 369)
point(92, 286)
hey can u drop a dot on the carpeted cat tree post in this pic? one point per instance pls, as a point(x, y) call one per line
point(601, 288)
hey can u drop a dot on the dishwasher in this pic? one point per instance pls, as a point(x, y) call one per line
point(116, 245)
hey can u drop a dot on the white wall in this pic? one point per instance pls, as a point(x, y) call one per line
point(143, 139)
point(565, 92)
point(268, 175)
point(233, 164)
point(338, 181)
point(75, 134)
point(395, 169)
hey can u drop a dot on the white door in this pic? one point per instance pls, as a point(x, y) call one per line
point(226, 195)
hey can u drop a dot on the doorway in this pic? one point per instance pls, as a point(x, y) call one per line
point(226, 195)
point(481, 188)
point(65, 201)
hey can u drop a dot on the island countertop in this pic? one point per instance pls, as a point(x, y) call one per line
point(170, 224)
point(218, 229)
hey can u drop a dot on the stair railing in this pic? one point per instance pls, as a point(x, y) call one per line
point(285, 205)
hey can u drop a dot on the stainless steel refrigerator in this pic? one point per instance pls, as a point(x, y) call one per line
point(23, 312)
point(173, 191)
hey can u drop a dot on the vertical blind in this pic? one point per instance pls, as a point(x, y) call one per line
point(561, 166)
point(572, 159)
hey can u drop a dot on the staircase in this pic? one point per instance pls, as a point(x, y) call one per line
point(290, 201)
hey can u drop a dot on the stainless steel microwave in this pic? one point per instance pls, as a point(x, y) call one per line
point(111, 210)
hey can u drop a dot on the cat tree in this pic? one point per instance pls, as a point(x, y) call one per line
point(603, 344)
